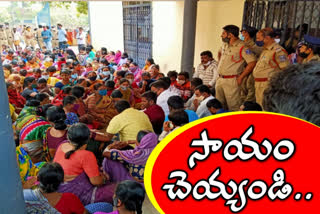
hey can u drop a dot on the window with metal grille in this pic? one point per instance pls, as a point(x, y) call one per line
point(137, 26)
point(285, 15)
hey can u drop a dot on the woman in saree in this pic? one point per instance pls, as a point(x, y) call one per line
point(123, 165)
point(15, 98)
point(97, 104)
point(32, 135)
point(81, 169)
point(126, 91)
point(117, 57)
point(69, 37)
point(148, 64)
point(28, 170)
point(111, 57)
point(28, 112)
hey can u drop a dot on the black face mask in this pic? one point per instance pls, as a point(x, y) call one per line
point(93, 78)
point(226, 40)
point(303, 55)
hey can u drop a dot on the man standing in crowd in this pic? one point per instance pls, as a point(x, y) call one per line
point(272, 59)
point(3, 37)
point(46, 36)
point(9, 35)
point(39, 37)
point(207, 69)
point(247, 87)
point(55, 40)
point(81, 38)
point(232, 68)
point(62, 37)
point(28, 37)
point(309, 50)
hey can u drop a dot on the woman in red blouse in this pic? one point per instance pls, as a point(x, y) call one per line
point(82, 175)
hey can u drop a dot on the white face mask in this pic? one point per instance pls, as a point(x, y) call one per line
point(277, 40)
point(123, 87)
point(45, 77)
point(130, 81)
point(124, 69)
point(181, 82)
point(199, 98)
point(207, 64)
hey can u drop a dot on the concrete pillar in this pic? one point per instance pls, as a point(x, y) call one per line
point(11, 197)
point(189, 35)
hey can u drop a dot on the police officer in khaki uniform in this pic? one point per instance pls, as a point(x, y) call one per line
point(272, 59)
point(310, 49)
point(231, 68)
point(55, 41)
point(3, 37)
point(247, 86)
point(29, 37)
point(9, 34)
point(39, 37)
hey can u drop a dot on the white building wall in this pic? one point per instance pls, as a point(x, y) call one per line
point(106, 24)
point(167, 34)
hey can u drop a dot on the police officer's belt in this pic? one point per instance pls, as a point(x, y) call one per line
point(260, 79)
point(228, 76)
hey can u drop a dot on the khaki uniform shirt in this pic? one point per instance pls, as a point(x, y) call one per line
point(28, 35)
point(39, 34)
point(253, 47)
point(315, 58)
point(3, 35)
point(232, 62)
point(272, 59)
point(54, 35)
point(9, 34)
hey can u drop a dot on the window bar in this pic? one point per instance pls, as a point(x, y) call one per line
point(267, 14)
point(302, 18)
point(294, 19)
point(285, 21)
point(273, 14)
point(256, 2)
point(318, 25)
point(311, 16)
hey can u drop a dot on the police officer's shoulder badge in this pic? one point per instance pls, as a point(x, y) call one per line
point(248, 51)
point(282, 58)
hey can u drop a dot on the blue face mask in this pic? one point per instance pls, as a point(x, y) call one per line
point(260, 43)
point(103, 92)
point(74, 76)
point(241, 37)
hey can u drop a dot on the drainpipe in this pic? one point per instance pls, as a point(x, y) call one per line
point(11, 196)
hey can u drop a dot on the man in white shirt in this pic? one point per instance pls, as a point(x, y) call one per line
point(160, 87)
point(207, 70)
point(81, 38)
point(201, 109)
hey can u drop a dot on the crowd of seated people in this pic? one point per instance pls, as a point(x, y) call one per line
point(85, 125)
